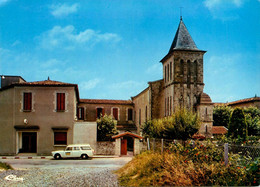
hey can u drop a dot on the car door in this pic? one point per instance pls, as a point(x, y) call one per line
point(76, 152)
point(68, 152)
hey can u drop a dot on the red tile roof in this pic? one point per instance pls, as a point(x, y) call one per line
point(247, 100)
point(127, 134)
point(244, 100)
point(219, 130)
point(105, 101)
point(46, 82)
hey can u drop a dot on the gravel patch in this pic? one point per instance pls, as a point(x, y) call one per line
point(69, 176)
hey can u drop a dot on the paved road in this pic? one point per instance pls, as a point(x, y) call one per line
point(112, 163)
point(48, 172)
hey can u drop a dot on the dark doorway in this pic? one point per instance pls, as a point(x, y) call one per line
point(130, 143)
point(29, 142)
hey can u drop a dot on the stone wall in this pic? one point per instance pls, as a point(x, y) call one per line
point(105, 148)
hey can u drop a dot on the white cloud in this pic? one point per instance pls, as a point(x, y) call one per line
point(62, 10)
point(224, 10)
point(67, 38)
point(88, 85)
point(50, 63)
point(2, 2)
point(154, 69)
point(211, 4)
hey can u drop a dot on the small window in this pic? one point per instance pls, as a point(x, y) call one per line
point(27, 101)
point(130, 114)
point(85, 148)
point(69, 149)
point(76, 148)
point(115, 113)
point(100, 112)
point(81, 113)
point(60, 138)
point(60, 102)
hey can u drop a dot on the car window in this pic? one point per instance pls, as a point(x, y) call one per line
point(85, 148)
point(68, 148)
point(76, 148)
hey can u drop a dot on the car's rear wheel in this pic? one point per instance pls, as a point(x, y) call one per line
point(84, 156)
point(57, 156)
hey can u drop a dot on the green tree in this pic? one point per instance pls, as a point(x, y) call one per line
point(221, 115)
point(106, 128)
point(252, 115)
point(180, 125)
point(237, 124)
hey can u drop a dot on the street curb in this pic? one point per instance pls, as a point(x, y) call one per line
point(50, 157)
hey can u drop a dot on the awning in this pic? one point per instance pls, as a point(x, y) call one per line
point(26, 127)
point(60, 128)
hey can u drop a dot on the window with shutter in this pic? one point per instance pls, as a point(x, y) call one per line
point(115, 113)
point(81, 113)
point(27, 101)
point(60, 102)
point(130, 114)
point(60, 138)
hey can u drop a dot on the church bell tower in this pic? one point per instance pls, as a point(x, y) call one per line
point(182, 72)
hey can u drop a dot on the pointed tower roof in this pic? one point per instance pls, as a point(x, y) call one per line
point(182, 39)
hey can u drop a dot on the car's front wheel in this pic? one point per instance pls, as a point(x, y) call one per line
point(57, 156)
point(84, 156)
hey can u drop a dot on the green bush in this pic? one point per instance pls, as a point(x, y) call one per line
point(106, 128)
point(182, 124)
point(237, 124)
point(221, 115)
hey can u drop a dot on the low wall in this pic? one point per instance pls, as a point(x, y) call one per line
point(105, 148)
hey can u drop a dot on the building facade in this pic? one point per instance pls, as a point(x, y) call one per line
point(37, 117)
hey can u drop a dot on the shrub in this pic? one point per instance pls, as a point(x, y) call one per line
point(106, 128)
point(180, 125)
point(237, 124)
point(221, 115)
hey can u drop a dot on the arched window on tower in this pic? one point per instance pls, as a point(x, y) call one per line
point(188, 71)
point(168, 72)
point(195, 70)
point(165, 73)
point(181, 68)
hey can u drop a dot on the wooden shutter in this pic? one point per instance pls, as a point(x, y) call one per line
point(115, 113)
point(60, 101)
point(60, 138)
point(27, 101)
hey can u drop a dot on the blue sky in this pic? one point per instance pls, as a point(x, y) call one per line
point(111, 49)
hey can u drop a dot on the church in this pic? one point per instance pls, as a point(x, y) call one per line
point(182, 84)
point(42, 116)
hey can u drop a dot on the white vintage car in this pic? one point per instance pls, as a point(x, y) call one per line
point(83, 151)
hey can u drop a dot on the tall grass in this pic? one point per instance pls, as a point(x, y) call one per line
point(179, 168)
